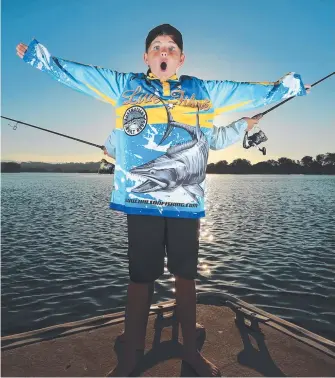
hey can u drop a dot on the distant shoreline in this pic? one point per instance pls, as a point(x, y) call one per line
point(323, 164)
point(208, 173)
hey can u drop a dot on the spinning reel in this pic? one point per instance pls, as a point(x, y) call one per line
point(254, 140)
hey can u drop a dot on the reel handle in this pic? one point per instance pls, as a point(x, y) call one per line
point(263, 150)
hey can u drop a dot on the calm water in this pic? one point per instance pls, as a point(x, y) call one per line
point(269, 240)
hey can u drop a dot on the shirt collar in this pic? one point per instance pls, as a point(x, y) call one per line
point(151, 76)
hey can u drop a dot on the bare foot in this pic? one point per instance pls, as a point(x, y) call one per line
point(127, 363)
point(201, 365)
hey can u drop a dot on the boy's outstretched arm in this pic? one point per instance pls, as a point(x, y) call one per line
point(227, 96)
point(103, 84)
point(225, 136)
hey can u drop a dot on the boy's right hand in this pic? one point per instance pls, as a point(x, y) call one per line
point(21, 49)
point(106, 153)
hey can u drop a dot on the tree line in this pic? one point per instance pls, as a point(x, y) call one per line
point(321, 164)
point(89, 167)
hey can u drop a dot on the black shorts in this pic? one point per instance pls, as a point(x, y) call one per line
point(151, 238)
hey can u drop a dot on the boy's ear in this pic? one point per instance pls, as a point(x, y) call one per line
point(182, 60)
point(145, 58)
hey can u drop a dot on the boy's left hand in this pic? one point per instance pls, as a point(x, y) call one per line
point(308, 88)
point(252, 121)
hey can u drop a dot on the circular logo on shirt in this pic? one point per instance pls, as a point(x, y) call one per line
point(134, 120)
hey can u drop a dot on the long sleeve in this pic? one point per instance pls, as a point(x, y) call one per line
point(110, 144)
point(101, 83)
point(227, 96)
point(223, 137)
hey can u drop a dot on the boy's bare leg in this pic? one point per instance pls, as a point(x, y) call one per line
point(141, 345)
point(186, 313)
point(139, 297)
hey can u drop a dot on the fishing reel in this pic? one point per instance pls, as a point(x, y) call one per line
point(254, 140)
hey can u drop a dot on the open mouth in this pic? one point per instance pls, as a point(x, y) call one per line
point(163, 66)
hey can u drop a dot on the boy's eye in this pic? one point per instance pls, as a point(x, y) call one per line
point(156, 48)
point(171, 48)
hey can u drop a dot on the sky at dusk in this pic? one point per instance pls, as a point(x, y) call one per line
point(237, 40)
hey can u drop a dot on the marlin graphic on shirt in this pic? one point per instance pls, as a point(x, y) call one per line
point(183, 165)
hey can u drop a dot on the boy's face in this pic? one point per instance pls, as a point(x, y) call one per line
point(164, 57)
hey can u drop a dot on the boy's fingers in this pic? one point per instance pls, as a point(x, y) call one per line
point(21, 49)
point(257, 117)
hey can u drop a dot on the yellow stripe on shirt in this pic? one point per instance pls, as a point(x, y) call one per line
point(103, 96)
point(158, 115)
point(231, 107)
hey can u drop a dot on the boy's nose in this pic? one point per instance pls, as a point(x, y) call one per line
point(164, 54)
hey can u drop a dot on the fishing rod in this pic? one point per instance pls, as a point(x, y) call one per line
point(53, 132)
point(290, 98)
point(259, 137)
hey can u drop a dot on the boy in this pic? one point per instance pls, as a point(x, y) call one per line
point(158, 183)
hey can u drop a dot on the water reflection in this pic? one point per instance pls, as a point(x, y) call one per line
point(266, 239)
